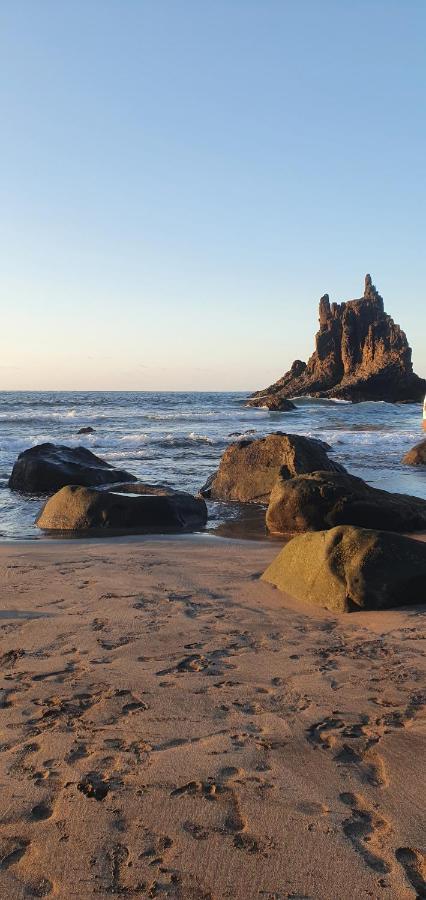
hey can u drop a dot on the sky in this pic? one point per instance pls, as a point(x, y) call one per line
point(181, 180)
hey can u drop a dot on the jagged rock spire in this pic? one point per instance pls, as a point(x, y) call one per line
point(360, 354)
point(370, 290)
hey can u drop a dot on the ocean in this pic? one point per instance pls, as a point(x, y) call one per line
point(178, 439)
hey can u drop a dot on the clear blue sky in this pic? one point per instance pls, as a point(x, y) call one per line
point(181, 180)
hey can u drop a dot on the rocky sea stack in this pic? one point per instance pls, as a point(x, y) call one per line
point(361, 354)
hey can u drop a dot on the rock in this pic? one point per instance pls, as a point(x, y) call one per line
point(249, 469)
point(325, 499)
point(47, 467)
point(87, 429)
point(274, 403)
point(360, 355)
point(76, 508)
point(416, 456)
point(348, 568)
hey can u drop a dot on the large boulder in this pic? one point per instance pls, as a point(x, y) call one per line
point(416, 456)
point(47, 467)
point(325, 499)
point(249, 469)
point(76, 508)
point(360, 354)
point(349, 568)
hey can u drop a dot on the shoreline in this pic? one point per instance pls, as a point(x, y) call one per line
point(196, 537)
point(173, 726)
point(270, 540)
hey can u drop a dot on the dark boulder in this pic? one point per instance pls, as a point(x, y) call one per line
point(348, 568)
point(360, 354)
point(87, 429)
point(47, 467)
point(325, 499)
point(416, 456)
point(76, 508)
point(249, 469)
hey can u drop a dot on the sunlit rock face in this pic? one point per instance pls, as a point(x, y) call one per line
point(360, 354)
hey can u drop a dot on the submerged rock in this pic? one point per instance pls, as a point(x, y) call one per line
point(48, 467)
point(325, 499)
point(360, 354)
point(249, 469)
point(87, 429)
point(350, 568)
point(274, 403)
point(76, 508)
point(416, 456)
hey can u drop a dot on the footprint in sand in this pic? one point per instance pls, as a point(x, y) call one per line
point(77, 752)
point(224, 792)
point(312, 808)
point(366, 829)
point(8, 659)
point(196, 662)
point(93, 786)
point(41, 811)
point(196, 831)
point(42, 887)
point(13, 851)
point(414, 865)
point(353, 744)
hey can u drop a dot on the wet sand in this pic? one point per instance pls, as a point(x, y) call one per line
point(172, 727)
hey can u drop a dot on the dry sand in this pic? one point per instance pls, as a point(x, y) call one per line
point(172, 727)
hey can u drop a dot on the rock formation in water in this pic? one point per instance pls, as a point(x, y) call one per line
point(361, 354)
point(320, 500)
point(249, 469)
point(416, 456)
point(76, 508)
point(46, 468)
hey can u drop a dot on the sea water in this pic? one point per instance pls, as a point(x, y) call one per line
point(178, 438)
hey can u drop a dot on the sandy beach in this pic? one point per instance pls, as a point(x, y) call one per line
point(173, 727)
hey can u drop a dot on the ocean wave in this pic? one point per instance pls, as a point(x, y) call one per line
point(122, 455)
point(307, 399)
point(16, 445)
point(18, 418)
point(130, 438)
point(182, 441)
point(371, 438)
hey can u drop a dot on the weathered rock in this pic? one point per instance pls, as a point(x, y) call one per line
point(87, 429)
point(361, 354)
point(416, 456)
point(249, 469)
point(47, 467)
point(274, 403)
point(325, 499)
point(347, 569)
point(76, 508)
